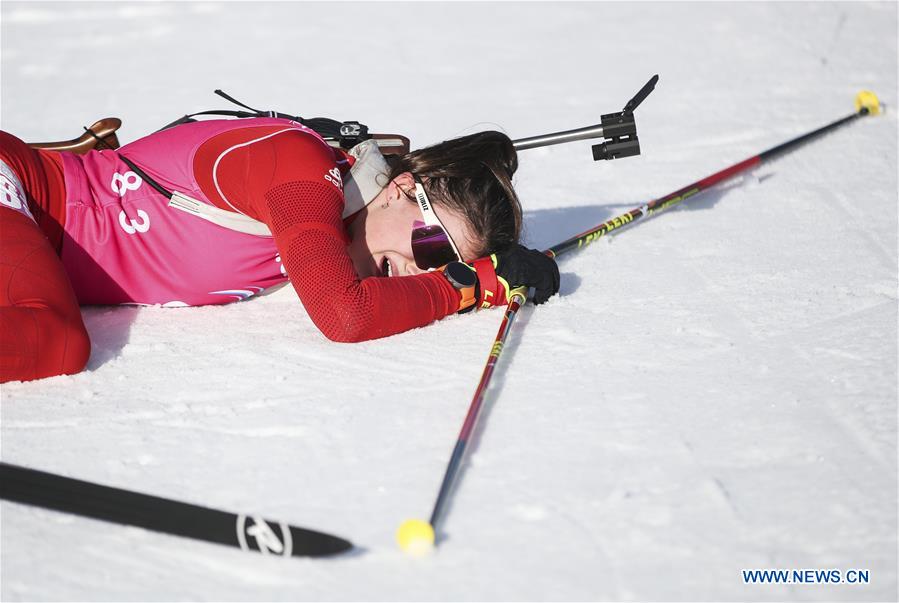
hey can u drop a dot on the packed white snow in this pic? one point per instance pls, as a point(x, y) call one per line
point(713, 390)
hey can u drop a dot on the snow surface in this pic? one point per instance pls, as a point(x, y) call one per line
point(714, 389)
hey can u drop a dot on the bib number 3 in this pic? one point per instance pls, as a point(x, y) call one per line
point(131, 226)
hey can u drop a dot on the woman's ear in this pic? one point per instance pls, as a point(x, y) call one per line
point(396, 189)
point(405, 181)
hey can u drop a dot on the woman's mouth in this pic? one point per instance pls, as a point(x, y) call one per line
point(386, 268)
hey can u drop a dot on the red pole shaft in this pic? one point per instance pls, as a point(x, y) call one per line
point(518, 297)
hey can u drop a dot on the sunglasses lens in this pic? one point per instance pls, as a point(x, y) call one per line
point(431, 246)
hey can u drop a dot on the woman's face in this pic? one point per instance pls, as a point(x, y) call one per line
point(381, 234)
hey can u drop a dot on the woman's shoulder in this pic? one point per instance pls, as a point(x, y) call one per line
point(279, 148)
point(280, 141)
point(228, 134)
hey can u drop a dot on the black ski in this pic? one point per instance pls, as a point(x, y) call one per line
point(249, 533)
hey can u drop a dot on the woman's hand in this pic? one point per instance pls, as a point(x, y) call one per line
point(517, 266)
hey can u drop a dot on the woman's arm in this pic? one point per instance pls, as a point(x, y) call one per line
point(291, 187)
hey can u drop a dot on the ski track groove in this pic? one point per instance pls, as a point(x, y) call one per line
point(886, 256)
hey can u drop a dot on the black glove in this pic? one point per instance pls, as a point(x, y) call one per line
point(517, 266)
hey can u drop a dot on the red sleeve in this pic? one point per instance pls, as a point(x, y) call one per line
point(287, 188)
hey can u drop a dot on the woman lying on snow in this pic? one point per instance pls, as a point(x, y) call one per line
point(372, 249)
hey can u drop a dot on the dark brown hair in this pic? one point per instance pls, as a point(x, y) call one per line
point(471, 175)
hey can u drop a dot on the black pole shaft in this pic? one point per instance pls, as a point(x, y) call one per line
point(788, 146)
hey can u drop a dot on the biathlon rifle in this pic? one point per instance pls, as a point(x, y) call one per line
point(619, 131)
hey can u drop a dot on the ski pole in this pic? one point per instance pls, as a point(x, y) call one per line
point(866, 103)
point(416, 536)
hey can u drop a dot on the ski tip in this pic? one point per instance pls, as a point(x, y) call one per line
point(310, 543)
point(867, 102)
point(339, 546)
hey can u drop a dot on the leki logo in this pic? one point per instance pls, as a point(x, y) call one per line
point(256, 534)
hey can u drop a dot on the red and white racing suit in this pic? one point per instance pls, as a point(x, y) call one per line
point(122, 243)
